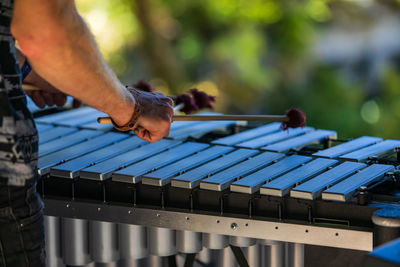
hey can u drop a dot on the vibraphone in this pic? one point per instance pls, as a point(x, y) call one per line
point(258, 197)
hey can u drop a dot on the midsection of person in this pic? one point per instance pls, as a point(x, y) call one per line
point(21, 218)
point(18, 136)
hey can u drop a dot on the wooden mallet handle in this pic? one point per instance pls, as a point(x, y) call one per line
point(30, 87)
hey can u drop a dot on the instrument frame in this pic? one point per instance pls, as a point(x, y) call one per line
point(344, 225)
point(230, 224)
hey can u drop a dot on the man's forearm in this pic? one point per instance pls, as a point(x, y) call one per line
point(61, 49)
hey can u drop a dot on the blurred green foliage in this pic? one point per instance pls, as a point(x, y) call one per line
point(256, 56)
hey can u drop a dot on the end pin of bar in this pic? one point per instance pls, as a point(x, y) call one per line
point(363, 195)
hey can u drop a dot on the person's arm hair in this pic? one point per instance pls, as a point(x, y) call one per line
point(48, 94)
point(60, 48)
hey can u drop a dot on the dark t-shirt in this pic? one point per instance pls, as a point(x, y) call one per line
point(18, 136)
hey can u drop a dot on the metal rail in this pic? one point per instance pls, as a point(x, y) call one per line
point(348, 238)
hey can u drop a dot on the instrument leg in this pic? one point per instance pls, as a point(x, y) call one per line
point(189, 261)
point(240, 258)
point(172, 261)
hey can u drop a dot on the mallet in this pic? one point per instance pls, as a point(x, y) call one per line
point(293, 118)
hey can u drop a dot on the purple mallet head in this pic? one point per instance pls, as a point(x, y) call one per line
point(189, 106)
point(297, 118)
point(202, 99)
point(144, 86)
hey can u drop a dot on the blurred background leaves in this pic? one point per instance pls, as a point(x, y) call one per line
point(337, 60)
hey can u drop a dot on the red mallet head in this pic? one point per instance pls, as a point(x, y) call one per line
point(297, 118)
point(144, 86)
point(189, 106)
point(202, 99)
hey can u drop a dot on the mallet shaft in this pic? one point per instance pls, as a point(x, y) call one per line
point(217, 118)
point(29, 87)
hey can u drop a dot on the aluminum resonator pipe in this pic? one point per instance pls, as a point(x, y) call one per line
point(275, 254)
point(215, 241)
point(204, 256)
point(161, 241)
point(296, 255)
point(225, 258)
point(253, 255)
point(52, 227)
point(188, 242)
point(240, 241)
point(132, 241)
point(75, 241)
point(103, 241)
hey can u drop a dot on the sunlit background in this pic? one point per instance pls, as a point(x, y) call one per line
point(337, 60)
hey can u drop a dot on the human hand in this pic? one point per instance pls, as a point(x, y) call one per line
point(48, 94)
point(152, 116)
